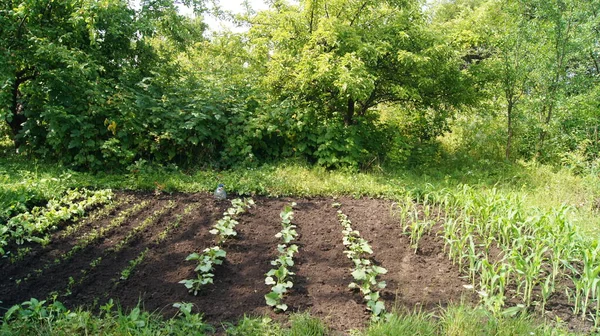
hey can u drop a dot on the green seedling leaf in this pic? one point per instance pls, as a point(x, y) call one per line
point(359, 274)
point(269, 281)
point(193, 256)
point(272, 299)
point(282, 307)
point(379, 270)
point(279, 288)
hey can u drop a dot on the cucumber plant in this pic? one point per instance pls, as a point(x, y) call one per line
point(365, 272)
point(279, 277)
point(204, 270)
point(215, 255)
point(225, 227)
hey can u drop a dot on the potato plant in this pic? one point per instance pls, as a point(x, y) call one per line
point(365, 273)
point(279, 277)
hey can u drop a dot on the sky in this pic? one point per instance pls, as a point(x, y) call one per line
point(234, 6)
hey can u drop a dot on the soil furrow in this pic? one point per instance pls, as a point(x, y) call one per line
point(425, 279)
point(99, 283)
point(58, 245)
point(56, 278)
point(323, 271)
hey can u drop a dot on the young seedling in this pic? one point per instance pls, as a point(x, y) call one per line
point(204, 270)
point(279, 278)
point(365, 272)
point(225, 228)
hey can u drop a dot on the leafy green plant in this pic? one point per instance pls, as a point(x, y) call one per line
point(204, 270)
point(33, 226)
point(225, 227)
point(365, 273)
point(279, 278)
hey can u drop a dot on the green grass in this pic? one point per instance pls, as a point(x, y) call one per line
point(42, 318)
point(31, 181)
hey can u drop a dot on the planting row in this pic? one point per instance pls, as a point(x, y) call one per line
point(280, 277)
point(224, 229)
point(517, 257)
point(35, 225)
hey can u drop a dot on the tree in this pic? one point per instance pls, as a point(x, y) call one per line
point(70, 68)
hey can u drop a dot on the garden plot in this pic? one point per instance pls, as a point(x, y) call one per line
point(139, 249)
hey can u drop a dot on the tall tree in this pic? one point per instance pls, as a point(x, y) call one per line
point(348, 56)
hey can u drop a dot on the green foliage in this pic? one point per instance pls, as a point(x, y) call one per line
point(34, 225)
point(365, 272)
point(44, 318)
point(206, 261)
point(215, 255)
point(280, 276)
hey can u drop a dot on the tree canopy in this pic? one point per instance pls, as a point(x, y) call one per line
point(339, 83)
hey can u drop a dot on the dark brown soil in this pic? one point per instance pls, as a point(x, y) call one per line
point(422, 279)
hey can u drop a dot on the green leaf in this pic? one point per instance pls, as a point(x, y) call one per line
point(272, 299)
point(359, 274)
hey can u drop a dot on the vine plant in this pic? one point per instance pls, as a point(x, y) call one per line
point(365, 272)
point(206, 261)
point(279, 277)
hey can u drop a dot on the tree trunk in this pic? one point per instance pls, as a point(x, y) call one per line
point(17, 116)
point(349, 117)
point(509, 127)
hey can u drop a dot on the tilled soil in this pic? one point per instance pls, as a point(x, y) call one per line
point(421, 279)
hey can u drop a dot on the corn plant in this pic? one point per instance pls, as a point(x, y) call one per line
point(499, 242)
